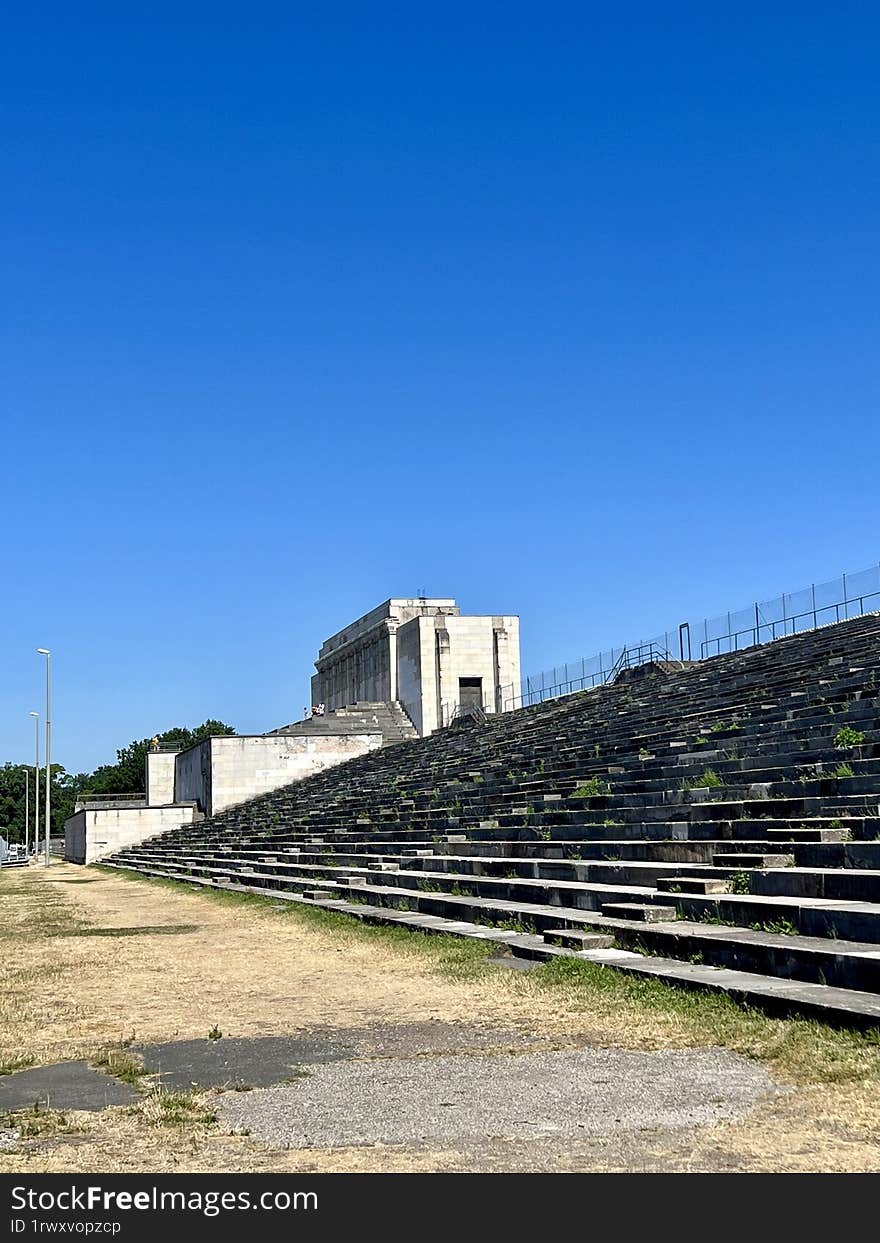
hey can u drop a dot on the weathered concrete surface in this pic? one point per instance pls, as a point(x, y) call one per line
point(66, 1085)
point(89, 835)
point(223, 771)
point(160, 777)
point(267, 1060)
point(238, 1062)
point(453, 1099)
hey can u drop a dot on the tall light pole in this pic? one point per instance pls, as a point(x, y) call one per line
point(36, 717)
point(44, 651)
point(27, 810)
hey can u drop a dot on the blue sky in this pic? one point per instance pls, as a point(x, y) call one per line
point(565, 310)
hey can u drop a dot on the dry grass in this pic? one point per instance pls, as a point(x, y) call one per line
point(798, 1051)
point(36, 1122)
point(190, 961)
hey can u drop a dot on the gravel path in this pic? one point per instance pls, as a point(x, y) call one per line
point(449, 1099)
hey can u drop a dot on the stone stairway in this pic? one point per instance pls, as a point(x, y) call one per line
point(716, 825)
point(390, 719)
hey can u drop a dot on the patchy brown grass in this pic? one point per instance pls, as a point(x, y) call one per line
point(190, 961)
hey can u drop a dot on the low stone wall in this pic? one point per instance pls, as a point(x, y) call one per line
point(91, 834)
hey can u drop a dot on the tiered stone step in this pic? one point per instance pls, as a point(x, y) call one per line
point(575, 938)
point(692, 884)
point(752, 861)
point(641, 911)
point(389, 719)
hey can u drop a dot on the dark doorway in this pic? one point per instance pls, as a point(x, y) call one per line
point(470, 692)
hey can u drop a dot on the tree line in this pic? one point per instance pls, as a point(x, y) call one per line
point(126, 776)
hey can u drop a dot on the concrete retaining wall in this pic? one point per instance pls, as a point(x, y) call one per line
point(223, 771)
point(90, 835)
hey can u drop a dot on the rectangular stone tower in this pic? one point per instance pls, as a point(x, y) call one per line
point(423, 654)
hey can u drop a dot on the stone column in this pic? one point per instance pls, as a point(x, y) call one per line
point(500, 660)
point(392, 661)
point(445, 693)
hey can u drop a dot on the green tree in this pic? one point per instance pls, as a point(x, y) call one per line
point(66, 787)
point(12, 800)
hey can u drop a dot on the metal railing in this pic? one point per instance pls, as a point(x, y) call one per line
point(14, 855)
point(452, 713)
point(840, 599)
point(765, 630)
point(640, 654)
point(99, 802)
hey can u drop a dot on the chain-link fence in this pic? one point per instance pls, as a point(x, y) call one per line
point(820, 604)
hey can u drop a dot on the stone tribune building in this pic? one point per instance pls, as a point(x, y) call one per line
point(422, 653)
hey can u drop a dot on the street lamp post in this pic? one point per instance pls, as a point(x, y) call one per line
point(44, 651)
point(36, 717)
point(27, 810)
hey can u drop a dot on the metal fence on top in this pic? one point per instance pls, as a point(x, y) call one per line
point(820, 604)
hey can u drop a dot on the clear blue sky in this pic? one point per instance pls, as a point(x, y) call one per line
point(564, 309)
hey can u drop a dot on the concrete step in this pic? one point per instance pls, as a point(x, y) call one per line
point(835, 884)
point(577, 939)
point(752, 861)
point(692, 884)
point(803, 911)
point(803, 834)
point(639, 911)
point(816, 959)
